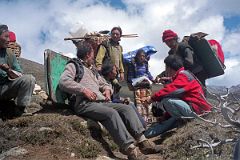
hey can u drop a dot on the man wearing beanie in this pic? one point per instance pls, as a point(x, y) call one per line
point(13, 45)
point(186, 53)
point(13, 84)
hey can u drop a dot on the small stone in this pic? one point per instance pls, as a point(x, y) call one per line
point(72, 154)
point(45, 129)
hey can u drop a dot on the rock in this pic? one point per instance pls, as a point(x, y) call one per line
point(43, 95)
point(104, 158)
point(36, 89)
point(45, 129)
point(72, 155)
point(33, 108)
point(16, 151)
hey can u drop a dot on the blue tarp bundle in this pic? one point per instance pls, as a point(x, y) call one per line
point(149, 50)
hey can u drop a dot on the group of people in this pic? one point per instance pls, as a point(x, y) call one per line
point(97, 92)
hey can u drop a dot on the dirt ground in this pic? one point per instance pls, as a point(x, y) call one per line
point(55, 133)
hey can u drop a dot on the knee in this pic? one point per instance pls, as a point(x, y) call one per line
point(168, 104)
point(166, 101)
point(111, 114)
point(129, 109)
point(28, 79)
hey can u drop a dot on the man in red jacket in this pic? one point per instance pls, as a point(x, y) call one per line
point(182, 97)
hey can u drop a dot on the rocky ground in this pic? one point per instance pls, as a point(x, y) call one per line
point(54, 132)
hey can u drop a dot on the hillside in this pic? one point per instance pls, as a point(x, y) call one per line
point(54, 132)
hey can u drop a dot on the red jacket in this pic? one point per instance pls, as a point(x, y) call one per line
point(185, 87)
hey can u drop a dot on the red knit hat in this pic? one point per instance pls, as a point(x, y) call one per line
point(168, 34)
point(12, 36)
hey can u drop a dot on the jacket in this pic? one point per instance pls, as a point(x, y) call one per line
point(115, 53)
point(7, 57)
point(187, 88)
point(136, 70)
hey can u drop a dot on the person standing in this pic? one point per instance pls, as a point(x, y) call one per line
point(184, 51)
point(111, 52)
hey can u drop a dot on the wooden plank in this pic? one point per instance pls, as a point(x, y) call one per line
point(54, 65)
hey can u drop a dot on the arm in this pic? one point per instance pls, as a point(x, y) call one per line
point(188, 58)
point(121, 68)
point(149, 74)
point(67, 83)
point(16, 65)
point(12, 74)
point(130, 73)
point(13, 70)
point(105, 88)
point(100, 56)
point(175, 89)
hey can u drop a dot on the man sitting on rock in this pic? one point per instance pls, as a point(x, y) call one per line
point(182, 97)
point(92, 101)
point(13, 84)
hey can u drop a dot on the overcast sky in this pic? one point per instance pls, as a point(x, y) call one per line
point(43, 24)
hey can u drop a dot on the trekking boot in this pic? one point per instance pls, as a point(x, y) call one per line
point(133, 154)
point(147, 147)
point(21, 111)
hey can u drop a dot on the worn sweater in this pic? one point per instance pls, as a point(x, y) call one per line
point(96, 84)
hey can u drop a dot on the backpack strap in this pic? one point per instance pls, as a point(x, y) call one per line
point(79, 68)
point(106, 45)
point(79, 74)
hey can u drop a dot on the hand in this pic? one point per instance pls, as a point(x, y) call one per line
point(147, 101)
point(121, 76)
point(154, 81)
point(4, 67)
point(89, 94)
point(165, 80)
point(126, 101)
point(107, 94)
point(99, 68)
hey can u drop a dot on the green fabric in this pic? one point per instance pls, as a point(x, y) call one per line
point(7, 57)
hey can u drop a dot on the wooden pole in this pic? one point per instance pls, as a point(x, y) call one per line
point(89, 36)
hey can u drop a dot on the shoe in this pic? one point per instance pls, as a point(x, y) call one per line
point(134, 154)
point(21, 111)
point(147, 147)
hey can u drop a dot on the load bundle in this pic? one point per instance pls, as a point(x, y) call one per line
point(13, 45)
